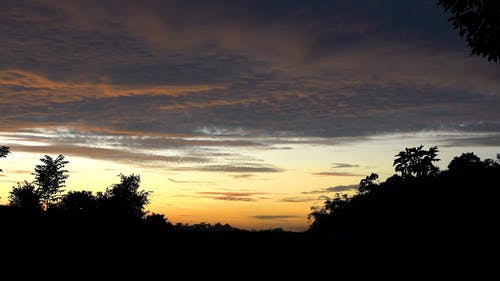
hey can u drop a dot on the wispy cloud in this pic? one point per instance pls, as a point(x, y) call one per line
point(231, 196)
point(273, 217)
point(171, 151)
point(338, 188)
point(242, 176)
point(485, 140)
point(338, 174)
point(230, 168)
point(190, 182)
point(297, 199)
point(108, 154)
point(343, 165)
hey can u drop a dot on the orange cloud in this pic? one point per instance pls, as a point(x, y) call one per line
point(35, 85)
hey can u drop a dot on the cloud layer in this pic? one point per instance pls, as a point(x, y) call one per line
point(296, 68)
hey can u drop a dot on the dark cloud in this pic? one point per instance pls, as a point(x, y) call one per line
point(338, 188)
point(344, 165)
point(270, 68)
point(338, 174)
point(273, 217)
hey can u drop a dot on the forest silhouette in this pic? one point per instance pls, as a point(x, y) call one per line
point(418, 204)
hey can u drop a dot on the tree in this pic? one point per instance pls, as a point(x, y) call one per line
point(78, 203)
point(4, 151)
point(464, 162)
point(367, 184)
point(158, 222)
point(124, 199)
point(50, 178)
point(330, 206)
point(25, 197)
point(416, 162)
point(479, 22)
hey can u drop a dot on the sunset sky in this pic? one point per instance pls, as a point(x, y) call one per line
point(243, 112)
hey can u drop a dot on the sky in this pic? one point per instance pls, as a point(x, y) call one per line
point(243, 112)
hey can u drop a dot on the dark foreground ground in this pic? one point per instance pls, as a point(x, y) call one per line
point(118, 252)
point(138, 245)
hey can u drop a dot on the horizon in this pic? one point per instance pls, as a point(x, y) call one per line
point(240, 113)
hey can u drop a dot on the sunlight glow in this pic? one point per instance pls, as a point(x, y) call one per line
point(234, 183)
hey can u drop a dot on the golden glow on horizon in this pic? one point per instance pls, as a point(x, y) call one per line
point(251, 200)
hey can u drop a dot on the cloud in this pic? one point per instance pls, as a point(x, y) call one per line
point(273, 68)
point(338, 188)
point(171, 151)
point(104, 136)
point(25, 172)
point(231, 196)
point(233, 169)
point(107, 154)
point(28, 85)
point(191, 182)
point(297, 199)
point(273, 217)
point(343, 165)
point(242, 176)
point(485, 140)
point(338, 174)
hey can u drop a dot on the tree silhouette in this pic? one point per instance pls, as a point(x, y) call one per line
point(4, 151)
point(416, 161)
point(322, 215)
point(25, 197)
point(50, 178)
point(78, 203)
point(158, 222)
point(124, 199)
point(479, 22)
point(464, 162)
point(367, 184)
